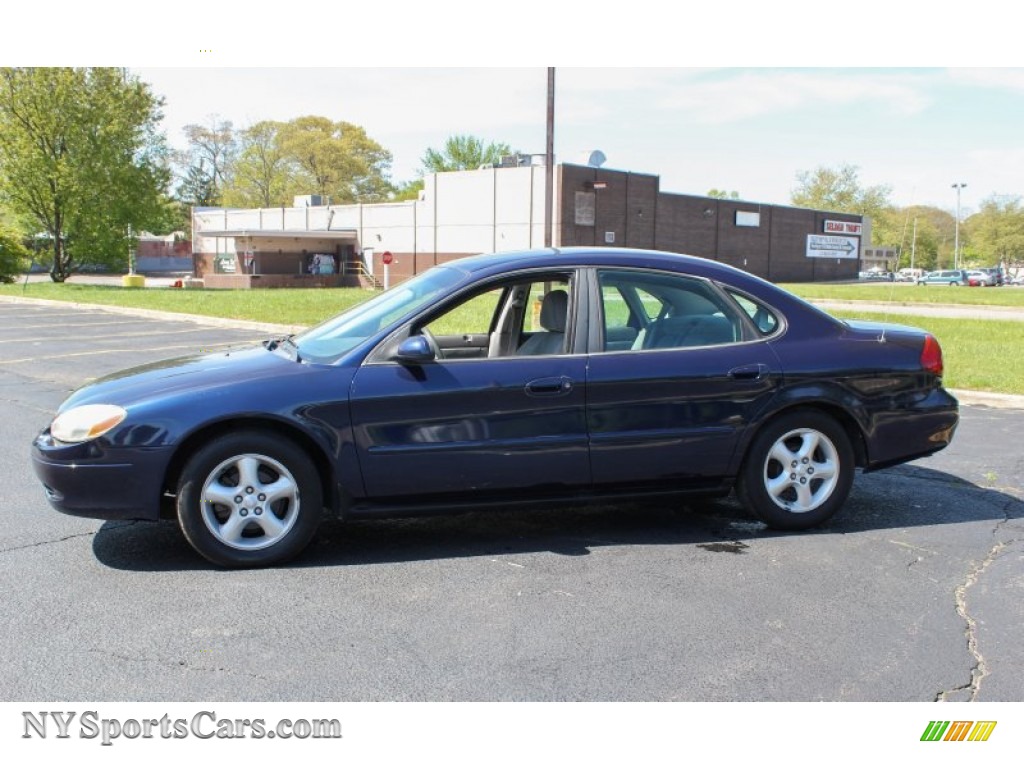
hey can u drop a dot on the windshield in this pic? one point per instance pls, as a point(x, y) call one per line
point(326, 342)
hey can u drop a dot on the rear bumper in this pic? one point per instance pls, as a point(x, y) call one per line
point(93, 480)
point(914, 431)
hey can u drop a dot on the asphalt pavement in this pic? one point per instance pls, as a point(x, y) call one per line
point(912, 593)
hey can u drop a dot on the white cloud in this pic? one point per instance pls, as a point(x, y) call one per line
point(990, 77)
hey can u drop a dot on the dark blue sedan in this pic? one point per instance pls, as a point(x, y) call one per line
point(555, 375)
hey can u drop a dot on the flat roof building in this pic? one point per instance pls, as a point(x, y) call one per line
point(499, 209)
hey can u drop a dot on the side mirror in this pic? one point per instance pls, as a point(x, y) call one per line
point(415, 349)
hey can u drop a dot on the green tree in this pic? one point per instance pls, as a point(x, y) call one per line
point(722, 194)
point(463, 153)
point(839, 189)
point(996, 232)
point(13, 254)
point(197, 188)
point(933, 244)
point(81, 160)
point(262, 174)
point(408, 190)
point(337, 160)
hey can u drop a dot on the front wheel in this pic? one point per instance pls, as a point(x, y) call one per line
point(798, 471)
point(249, 499)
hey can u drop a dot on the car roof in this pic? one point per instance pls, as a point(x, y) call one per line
point(495, 263)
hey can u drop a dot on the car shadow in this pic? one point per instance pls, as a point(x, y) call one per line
point(902, 497)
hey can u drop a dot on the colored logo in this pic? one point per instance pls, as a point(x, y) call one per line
point(958, 730)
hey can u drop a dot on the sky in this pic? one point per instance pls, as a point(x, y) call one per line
point(749, 130)
point(740, 97)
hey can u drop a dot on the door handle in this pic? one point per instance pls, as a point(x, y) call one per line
point(751, 372)
point(553, 386)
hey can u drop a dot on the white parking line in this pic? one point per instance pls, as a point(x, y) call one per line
point(111, 351)
point(108, 336)
point(77, 325)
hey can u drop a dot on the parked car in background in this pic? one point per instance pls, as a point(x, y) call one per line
point(980, 277)
point(997, 274)
point(558, 375)
point(874, 274)
point(945, 277)
point(909, 275)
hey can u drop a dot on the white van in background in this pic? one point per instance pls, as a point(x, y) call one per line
point(908, 275)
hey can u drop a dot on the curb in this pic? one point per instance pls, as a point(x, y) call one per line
point(964, 396)
point(922, 309)
point(991, 399)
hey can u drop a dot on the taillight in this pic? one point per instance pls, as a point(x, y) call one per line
point(931, 356)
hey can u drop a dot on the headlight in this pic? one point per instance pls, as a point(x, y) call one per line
point(86, 422)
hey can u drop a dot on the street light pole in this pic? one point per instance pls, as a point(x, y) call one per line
point(956, 237)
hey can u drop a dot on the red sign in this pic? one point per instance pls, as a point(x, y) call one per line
point(386, 257)
point(843, 227)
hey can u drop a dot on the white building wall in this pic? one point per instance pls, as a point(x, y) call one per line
point(464, 212)
point(390, 227)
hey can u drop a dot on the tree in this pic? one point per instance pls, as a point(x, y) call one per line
point(197, 188)
point(13, 254)
point(463, 153)
point(722, 194)
point(839, 190)
point(996, 231)
point(211, 150)
point(81, 160)
point(337, 160)
point(262, 175)
point(933, 245)
point(408, 190)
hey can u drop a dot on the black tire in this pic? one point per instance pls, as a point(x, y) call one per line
point(810, 491)
point(249, 499)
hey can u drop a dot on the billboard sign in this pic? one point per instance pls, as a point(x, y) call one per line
point(832, 247)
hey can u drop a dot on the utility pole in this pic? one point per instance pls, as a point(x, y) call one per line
point(913, 248)
point(956, 238)
point(549, 165)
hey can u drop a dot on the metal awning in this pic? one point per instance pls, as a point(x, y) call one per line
point(308, 234)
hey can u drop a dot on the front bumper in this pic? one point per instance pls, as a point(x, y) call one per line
point(95, 480)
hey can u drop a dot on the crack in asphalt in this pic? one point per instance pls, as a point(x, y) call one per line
point(63, 538)
point(980, 670)
point(180, 663)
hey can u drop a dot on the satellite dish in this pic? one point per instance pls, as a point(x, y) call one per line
point(594, 158)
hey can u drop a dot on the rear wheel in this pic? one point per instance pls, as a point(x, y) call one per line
point(798, 471)
point(249, 499)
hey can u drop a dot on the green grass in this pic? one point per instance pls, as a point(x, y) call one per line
point(986, 355)
point(288, 306)
point(909, 293)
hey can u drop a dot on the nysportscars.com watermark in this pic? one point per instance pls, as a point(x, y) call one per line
point(202, 725)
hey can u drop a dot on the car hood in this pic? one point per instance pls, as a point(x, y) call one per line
point(195, 372)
